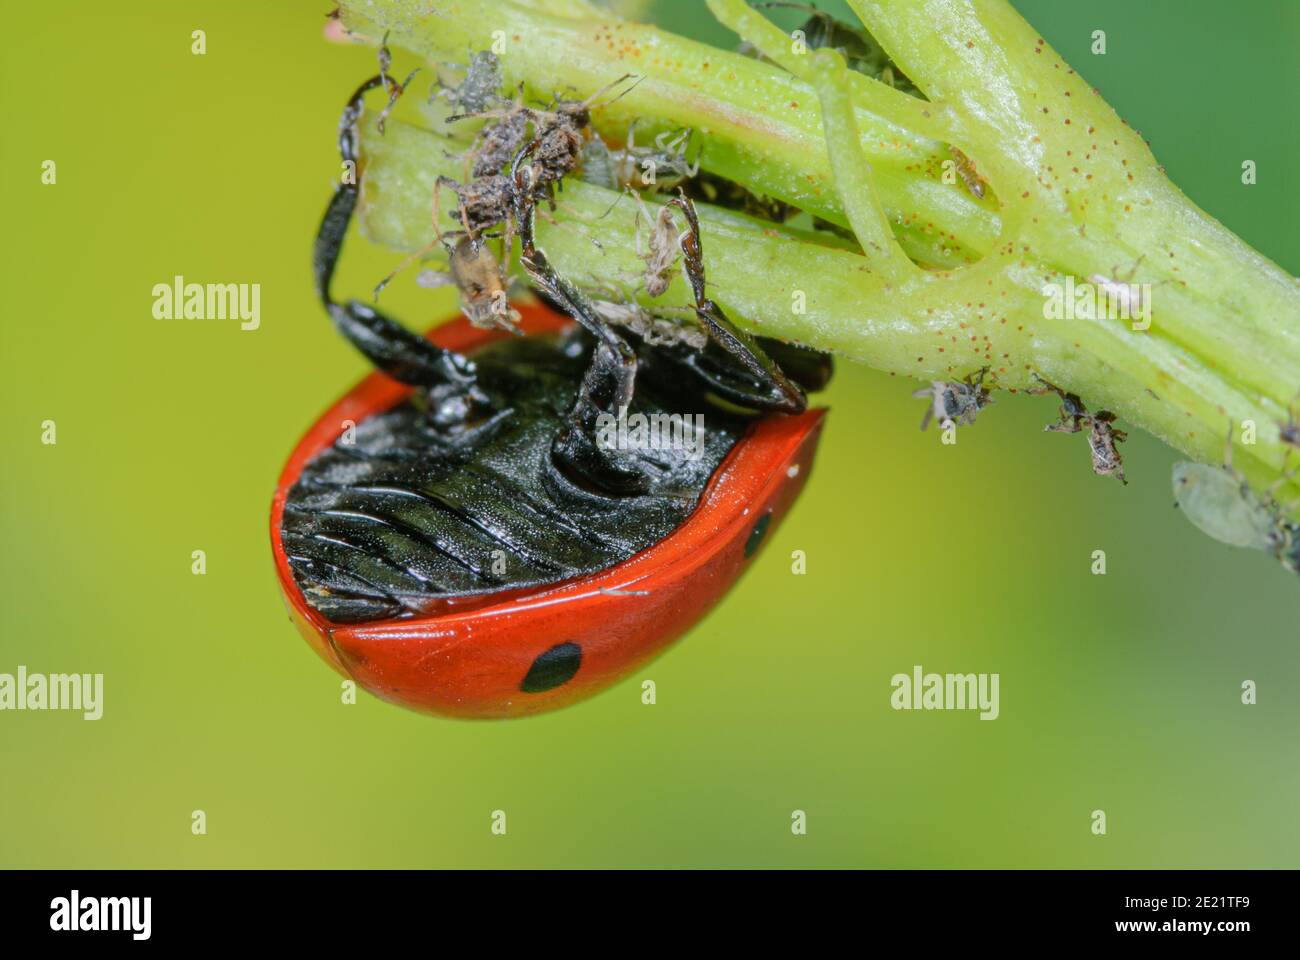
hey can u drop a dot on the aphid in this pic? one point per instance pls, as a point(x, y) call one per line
point(476, 543)
point(661, 251)
point(969, 175)
point(653, 329)
point(660, 167)
point(501, 138)
point(1073, 414)
point(1102, 435)
point(559, 135)
point(1221, 504)
point(481, 281)
point(956, 401)
point(479, 90)
point(481, 204)
point(554, 139)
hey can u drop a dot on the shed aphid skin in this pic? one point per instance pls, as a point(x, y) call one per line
point(662, 246)
point(1221, 504)
point(617, 307)
point(956, 401)
point(480, 88)
point(1102, 434)
point(661, 167)
point(969, 175)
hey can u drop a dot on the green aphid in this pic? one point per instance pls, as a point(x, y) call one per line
point(1221, 503)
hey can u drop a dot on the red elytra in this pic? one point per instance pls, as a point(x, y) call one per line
point(472, 661)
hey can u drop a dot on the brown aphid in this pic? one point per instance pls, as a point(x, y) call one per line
point(481, 281)
point(1102, 438)
point(560, 135)
point(969, 175)
point(498, 143)
point(554, 138)
point(1073, 414)
point(958, 401)
point(482, 203)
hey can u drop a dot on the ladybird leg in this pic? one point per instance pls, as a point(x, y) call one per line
point(737, 368)
point(607, 385)
point(387, 344)
point(809, 368)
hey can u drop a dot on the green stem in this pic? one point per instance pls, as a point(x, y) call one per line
point(1078, 196)
point(756, 124)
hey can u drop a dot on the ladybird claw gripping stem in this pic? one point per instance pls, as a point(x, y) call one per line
point(385, 343)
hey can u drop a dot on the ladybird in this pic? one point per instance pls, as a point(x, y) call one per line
point(495, 525)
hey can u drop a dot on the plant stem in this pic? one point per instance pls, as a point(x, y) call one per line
point(1075, 194)
point(756, 125)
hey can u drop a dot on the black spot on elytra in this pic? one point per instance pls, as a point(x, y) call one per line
point(552, 668)
point(756, 535)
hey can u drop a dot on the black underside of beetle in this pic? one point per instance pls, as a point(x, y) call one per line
point(410, 513)
point(509, 469)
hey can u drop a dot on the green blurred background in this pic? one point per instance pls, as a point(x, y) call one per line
point(1119, 692)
